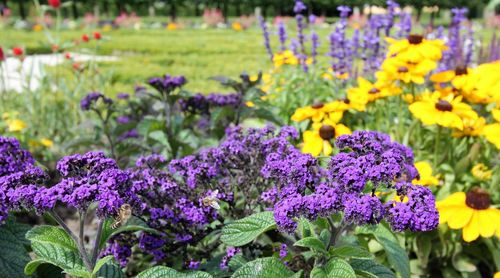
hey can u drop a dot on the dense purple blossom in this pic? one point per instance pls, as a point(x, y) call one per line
point(167, 83)
point(12, 157)
point(91, 98)
point(299, 7)
point(339, 51)
point(453, 56)
point(282, 36)
point(367, 163)
point(120, 247)
point(230, 253)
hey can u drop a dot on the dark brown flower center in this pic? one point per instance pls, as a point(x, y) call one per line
point(327, 132)
point(402, 69)
point(461, 70)
point(346, 101)
point(317, 105)
point(415, 39)
point(374, 91)
point(443, 105)
point(477, 198)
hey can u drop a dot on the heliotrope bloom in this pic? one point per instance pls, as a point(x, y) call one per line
point(446, 112)
point(471, 212)
point(318, 140)
point(425, 174)
point(317, 112)
point(416, 48)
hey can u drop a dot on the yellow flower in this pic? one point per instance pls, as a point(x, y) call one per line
point(492, 133)
point(37, 27)
point(470, 212)
point(496, 114)
point(459, 78)
point(372, 91)
point(425, 172)
point(415, 48)
point(46, 142)
point(481, 172)
point(497, 275)
point(285, 58)
point(237, 26)
point(15, 125)
point(447, 112)
point(172, 26)
point(407, 72)
point(317, 112)
point(471, 128)
point(318, 140)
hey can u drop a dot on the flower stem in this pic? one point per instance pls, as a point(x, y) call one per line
point(436, 145)
point(95, 252)
point(81, 248)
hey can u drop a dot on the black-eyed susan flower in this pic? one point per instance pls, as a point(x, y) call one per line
point(446, 112)
point(492, 133)
point(425, 174)
point(318, 140)
point(472, 128)
point(369, 91)
point(470, 212)
point(286, 57)
point(416, 48)
point(319, 111)
point(481, 172)
point(459, 78)
point(408, 72)
point(15, 125)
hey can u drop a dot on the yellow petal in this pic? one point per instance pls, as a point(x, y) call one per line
point(487, 223)
point(442, 77)
point(455, 199)
point(460, 218)
point(471, 230)
point(327, 148)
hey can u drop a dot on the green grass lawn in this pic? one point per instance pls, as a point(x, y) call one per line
point(197, 54)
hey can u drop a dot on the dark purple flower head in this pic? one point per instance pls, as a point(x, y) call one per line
point(92, 98)
point(12, 157)
point(344, 11)
point(167, 83)
point(123, 96)
point(123, 120)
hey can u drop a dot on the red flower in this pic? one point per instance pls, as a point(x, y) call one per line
point(85, 38)
point(77, 67)
point(67, 55)
point(55, 48)
point(17, 51)
point(55, 3)
point(97, 35)
point(2, 55)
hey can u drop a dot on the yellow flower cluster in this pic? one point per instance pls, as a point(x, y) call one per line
point(325, 119)
point(287, 57)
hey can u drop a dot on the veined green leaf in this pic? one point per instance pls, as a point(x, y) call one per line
point(372, 267)
point(263, 268)
point(350, 251)
point(13, 254)
point(166, 272)
point(312, 243)
point(247, 229)
point(337, 267)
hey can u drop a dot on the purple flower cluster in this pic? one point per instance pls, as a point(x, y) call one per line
point(369, 162)
point(167, 83)
point(230, 253)
point(453, 57)
point(282, 36)
point(265, 34)
point(120, 247)
point(92, 98)
point(12, 157)
point(338, 43)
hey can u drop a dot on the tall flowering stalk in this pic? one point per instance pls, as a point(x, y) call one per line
point(298, 8)
point(453, 57)
point(265, 34)
point(338, 43)
point(282, 35)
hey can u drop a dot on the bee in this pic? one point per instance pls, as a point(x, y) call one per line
point(211, 200)
point(124, 214)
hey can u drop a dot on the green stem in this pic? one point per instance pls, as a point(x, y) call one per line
point(95, 252)
point(436, 145)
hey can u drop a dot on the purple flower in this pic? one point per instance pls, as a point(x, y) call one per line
point(194, 264)
point(230, 253)
point(283, 251)
point(167, 83)
point(123, 120)
point(299, 7)
point(265, 34)
point(123, 96)
point(92, 98)
point(282, 36)
point(315, 45)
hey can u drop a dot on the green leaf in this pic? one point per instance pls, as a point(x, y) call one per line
point(317, 272)
point(134, 224)
point(247, 229)
point(101, 262)
point(337, 267)
point(395, 253)
point(159, 136)
point(13, 254)
point(110, 270)
point(237, 261)
point(372, 267)
point(54, 246)
point(166, 272)
point(349, 251)
point(312, 243)
point(263, 268)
